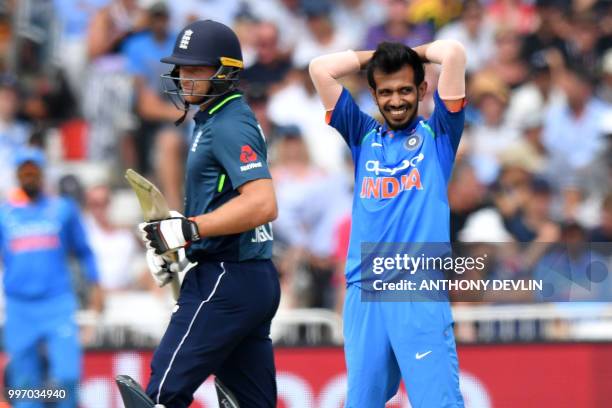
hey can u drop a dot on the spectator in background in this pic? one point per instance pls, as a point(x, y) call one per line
point(271, 65)
point(108, 90)
point(397, 28)
point(342, 236)
point(70, 186)
point(474, 32)
point(603, 232)
point(322, 36)
point(582, 43)
point(298, 104)
point(245, 24)
point(604, 91)
point(74, 19)
point(507, 62)
point(573, 270)
point(533, 99)
point(486, 139)
point(356, 16)
point(530, 146)
point(48, 100)
point(526, 211)
point(14, 134)
point(184, 12)
point(306, 223)
point(572, 133)
point(294, 175)
point(142, 50)
point(436, 12)
point(466, 195)
point(603, 10)
point(111, 25)
point(40, 300)
point(286, 16)
point(551, 32)
point(515, 15)
point(107, 241)
point(160, 145)
point(257, 97)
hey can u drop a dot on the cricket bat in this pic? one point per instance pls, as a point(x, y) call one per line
point(154, 208)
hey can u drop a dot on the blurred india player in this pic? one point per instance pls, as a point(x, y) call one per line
point(394, 202)
point(37, 233)
point(221, 323)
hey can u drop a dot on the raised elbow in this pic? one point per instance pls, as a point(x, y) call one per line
point(315, 68)
point(456, 52)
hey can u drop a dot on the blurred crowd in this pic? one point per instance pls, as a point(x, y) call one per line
point(80, 79)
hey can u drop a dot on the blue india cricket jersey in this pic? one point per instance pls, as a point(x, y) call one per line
point(401, 177)
point(36, 239)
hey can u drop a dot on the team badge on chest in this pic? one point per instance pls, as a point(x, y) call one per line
point(413, 142)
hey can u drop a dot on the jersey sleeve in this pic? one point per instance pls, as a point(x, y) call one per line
point(446, 124)
point(349, 120)
point(240, 148)
point(447, 128)
point(79, 243)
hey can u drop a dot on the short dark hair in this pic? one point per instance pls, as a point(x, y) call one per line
point(581, 73)
point(390, 57)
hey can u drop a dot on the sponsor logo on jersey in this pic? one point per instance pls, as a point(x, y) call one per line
point(35, 243)
point(390, 185)
point(250, 166)
point(376, 167)
point(247, 155)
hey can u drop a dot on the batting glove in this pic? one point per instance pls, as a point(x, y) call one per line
point(163, 270)
point(170, 234)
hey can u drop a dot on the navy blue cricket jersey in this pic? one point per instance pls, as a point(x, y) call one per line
point(228, 149)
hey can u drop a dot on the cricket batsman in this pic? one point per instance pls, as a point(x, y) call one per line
point(221, 323)
point(398, 202)
point(37, 234)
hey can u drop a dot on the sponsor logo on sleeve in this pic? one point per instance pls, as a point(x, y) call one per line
point(249, 157)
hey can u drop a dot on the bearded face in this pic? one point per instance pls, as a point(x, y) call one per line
point(397, 96)
point(30, 179)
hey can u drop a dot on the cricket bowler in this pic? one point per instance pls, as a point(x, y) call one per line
point(395, 202)
point(221, 323)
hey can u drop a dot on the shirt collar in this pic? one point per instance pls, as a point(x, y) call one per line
point(19, 198)
point(407, 130)
point(204, 114)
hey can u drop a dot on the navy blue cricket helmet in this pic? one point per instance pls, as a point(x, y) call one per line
point(204, 43)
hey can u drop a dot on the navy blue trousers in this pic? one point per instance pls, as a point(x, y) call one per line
point(221, 327)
